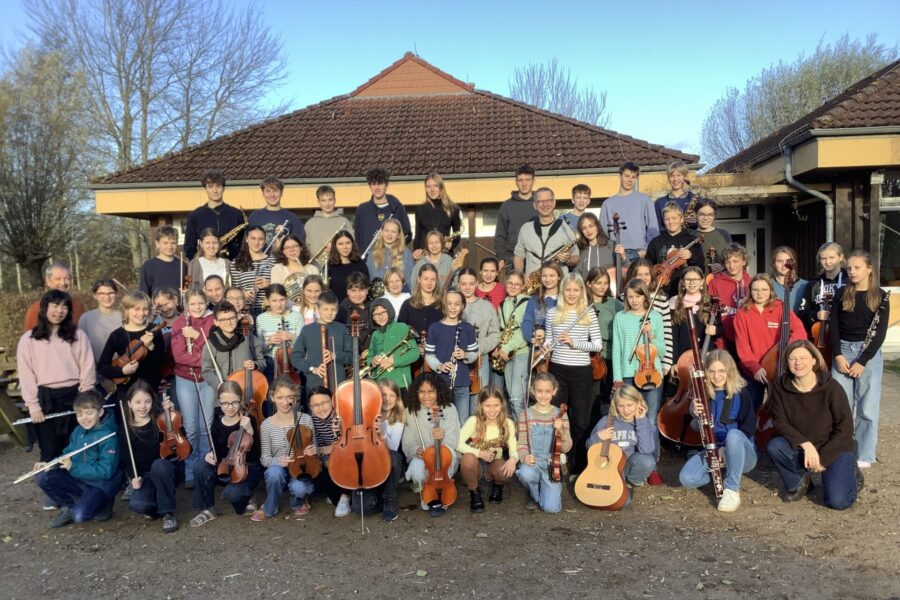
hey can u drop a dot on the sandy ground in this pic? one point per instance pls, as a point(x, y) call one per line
point(671, 543)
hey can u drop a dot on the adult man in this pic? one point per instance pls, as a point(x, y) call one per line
point(272, 216)
point(215, 213)
point(544, 236)
point(635, 213)
point(680, 194)
point(380, 207)
point(56, 277)
point(514, 212)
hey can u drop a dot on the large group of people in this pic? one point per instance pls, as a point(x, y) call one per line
point(573, 334)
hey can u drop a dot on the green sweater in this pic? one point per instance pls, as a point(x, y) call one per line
point(516, 341)
point(606, 312)
point(382, 341)
point(626, 328)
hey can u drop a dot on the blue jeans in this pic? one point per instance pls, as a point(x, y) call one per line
point(838, 479)
point(548, 494)
point(864, 395)
point(653, 398)
point(516, 374)
point(632, 254)
point(756, 391)
point(157, 493)
point(277, 478)
point(463, 402)
point(236, 494)
point(389, 489)
point(740, 458)
point(85, 500)
point(194, 427)
point(638, 467)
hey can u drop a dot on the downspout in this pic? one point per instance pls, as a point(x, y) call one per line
point(787, 151)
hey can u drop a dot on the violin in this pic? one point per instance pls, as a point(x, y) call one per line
point(137, 351)
point(664, 270)
point(246, 322)
point(300, 437)
point(439, 487)
point(234, 465)
point(360, 458)
point(647, 377)
point(712, 261)
point(819, 329)
point(283, 364)
point(174, 442)
point(255, 387)
point(556, 448)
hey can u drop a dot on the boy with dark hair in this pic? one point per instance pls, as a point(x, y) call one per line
point(272, 216)
point(581, 199)
point(514, 212)
point(357, 299)
point(85, 485)
point(215, 214)
point(228, 347)
point(307, 356)
point(635, 212)
point(380, 207)
point(326, 222)
point(164, 269)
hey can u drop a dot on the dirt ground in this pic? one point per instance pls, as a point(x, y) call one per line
point(671, 543)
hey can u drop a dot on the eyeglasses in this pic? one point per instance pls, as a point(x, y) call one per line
point(291, 247)
point(320, 404)
point(105, 294)
point(382, 313)
point(227, 320)
point(706, 214)
point(692, 280)
point(229, 404)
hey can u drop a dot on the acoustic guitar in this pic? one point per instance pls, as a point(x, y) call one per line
point(602, 484)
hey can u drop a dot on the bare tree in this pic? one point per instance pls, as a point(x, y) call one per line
point(162, 74)
point(42, 134)
point(554, 88)
point(785, 92)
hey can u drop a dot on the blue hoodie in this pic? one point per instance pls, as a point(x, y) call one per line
point(98, 465)
point(630, 436)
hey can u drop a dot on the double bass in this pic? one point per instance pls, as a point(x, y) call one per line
point(360, 458)
point(440, 486)
point(773, 360)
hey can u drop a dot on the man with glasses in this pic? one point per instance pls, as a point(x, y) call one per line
point(545, 237)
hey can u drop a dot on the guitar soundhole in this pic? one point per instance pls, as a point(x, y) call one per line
point(598, 486)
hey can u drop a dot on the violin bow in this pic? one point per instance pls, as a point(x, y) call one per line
point(213, 356)
point(637, 341)
point(203, 413)
point(128, 439)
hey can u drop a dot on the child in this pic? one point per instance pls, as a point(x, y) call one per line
point(312, 353)
point(859, 322)
point(389, 251)
point(713, 237)
point(153, 485)
point(136, 309)
point(636, 211)
point(535, 435)
point(208, 262)
point(488, 287)
point(275, 452)
point(429, 390)
point(325, 423)
point(629, 427)
point(596, 249)
point(239, 495)
point(309, 297)
point(423, 307)
point(642, 269)
point(214, 288)
point(433, 254)
point(781, 255)
point(450, 347)
point(387, 334)
point(252, 269)
point(675, 237)
point(581, 199)
point(680, 194)
point(513, 348)
point(235, 295)
point(326, 222)
point(828, 284)
point(692, 300)
point(540, 303)
point(163, 270)
point(228, 351)
point(343, 259)
point(483, 316)
point(277, 325)
point(356, 300)
point(487, 444)
point(393, 288)
point(272, 216)
point(438, 213)
point(734, 426)
point(292, 257)
point(732, 287)
point(606, 307)
point(393, 420)
point(92, 476)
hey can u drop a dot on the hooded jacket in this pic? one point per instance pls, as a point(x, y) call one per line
point(321, 228)
point(758, 332)
point(514, 212)
point(383, 339)
point(731, 294)
point(98, 465)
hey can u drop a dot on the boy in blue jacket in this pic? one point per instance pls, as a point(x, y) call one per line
point(85, 485)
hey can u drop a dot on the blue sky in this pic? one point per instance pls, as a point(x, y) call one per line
point(663, 64)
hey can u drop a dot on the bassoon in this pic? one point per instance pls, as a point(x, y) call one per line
point(705, 418)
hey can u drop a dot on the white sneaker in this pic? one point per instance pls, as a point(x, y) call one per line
point(343, 507)
point(863, 464)
point(729, 501)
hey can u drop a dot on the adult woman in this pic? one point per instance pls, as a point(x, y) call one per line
point(815, 429)
point(438, 212)
point(343, 259)
point(252, 269)
point(293, 257)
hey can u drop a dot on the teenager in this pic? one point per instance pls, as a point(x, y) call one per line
point(357, 301)
point(433, 253)
point(207, 262)
point(675, 237)
point(97, 324)
point(307, 303)
point(594, 247)
point(826, 288)
point(394, 286)
point(386, 334)
point(291, 258)
point(214, 288)
point(513, 348)
point(581, 199)
point(451, 347)
point(545, 237)
point(343, 259)
point(325, 222)
point(488, 287)
point(277, 327)
point(483, 317)
point(642, 269)
point(228, 350)
point(252, 269)
point(423, 308)
point(437, 213)
point(164, 269)
point(692, 302)
point(389, 251)
point(679, 194)
point(308, 356)
point(272, 217)
point(713, 237)
point(514, 212)
point(380, 207)
point(732, 287)
point(606, 307)
point(780, 256)
point(221, 217)
point(635, 211)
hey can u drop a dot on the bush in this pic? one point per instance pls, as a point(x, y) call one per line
point(12, 314)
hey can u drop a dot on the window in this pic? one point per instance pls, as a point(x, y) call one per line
point(889, 240)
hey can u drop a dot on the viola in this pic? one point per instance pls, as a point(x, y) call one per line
point(300, 437)
point(556, 448)
point(234, 465)
point(439, 487)
point(819, 330)
point(598, 366)
point(647, 377)
point(360, 458)
point(283, 364)
point(174, 442)
point(137, 351)
point(664, 270)
point(772, 361)
point(255, 387)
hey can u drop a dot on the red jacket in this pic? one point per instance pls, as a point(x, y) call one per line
point(184, 361)
point(725, 289)
point(756, 333)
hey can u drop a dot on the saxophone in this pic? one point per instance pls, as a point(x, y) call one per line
point(498, 363)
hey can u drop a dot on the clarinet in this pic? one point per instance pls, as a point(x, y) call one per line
point(705, 419)
point(454, 367)
point(873, 326)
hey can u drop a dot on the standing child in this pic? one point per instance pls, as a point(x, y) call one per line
point(389, 335)
point(541, 302)
point(393, 420)
point(535, 434)
point(275, 452)
point(252, 269)
point(799, 292)
point(326, 222)
point(433, 254)
point(389, 251)
point(292, 257)
point(394, 283)
point(208, 262)
point(824, 291)
point(450, 347)
point(483, 316)
point(642, 269)
point(85, 485)
point(606, 307)
point(487, 445)
point(277, 326)
point(488, 287)
point(239, 495)
point(153, 485)
point(228, 349)
point(512, 351)
point(312, 353)
point(675, 237)
point(732, 287)
point(581, 199)
point(734, 423)
point(309, 297)
point(164, 270)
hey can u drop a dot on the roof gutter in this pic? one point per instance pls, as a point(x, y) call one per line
point(787, 152)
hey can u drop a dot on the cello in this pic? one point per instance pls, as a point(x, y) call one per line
point(174, 442)
point(255, 387)
point(773, 360)
point(360, 458)
point(439, 487)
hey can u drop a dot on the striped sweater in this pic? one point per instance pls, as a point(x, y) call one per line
point(661, 305)
point(247, 279)
point(587, 338)
point(274, 441)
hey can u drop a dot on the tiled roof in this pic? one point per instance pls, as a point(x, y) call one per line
point(411, 118)
point(871, 102)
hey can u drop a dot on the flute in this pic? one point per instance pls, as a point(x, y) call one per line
point(59, 459)
point(66, 413)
